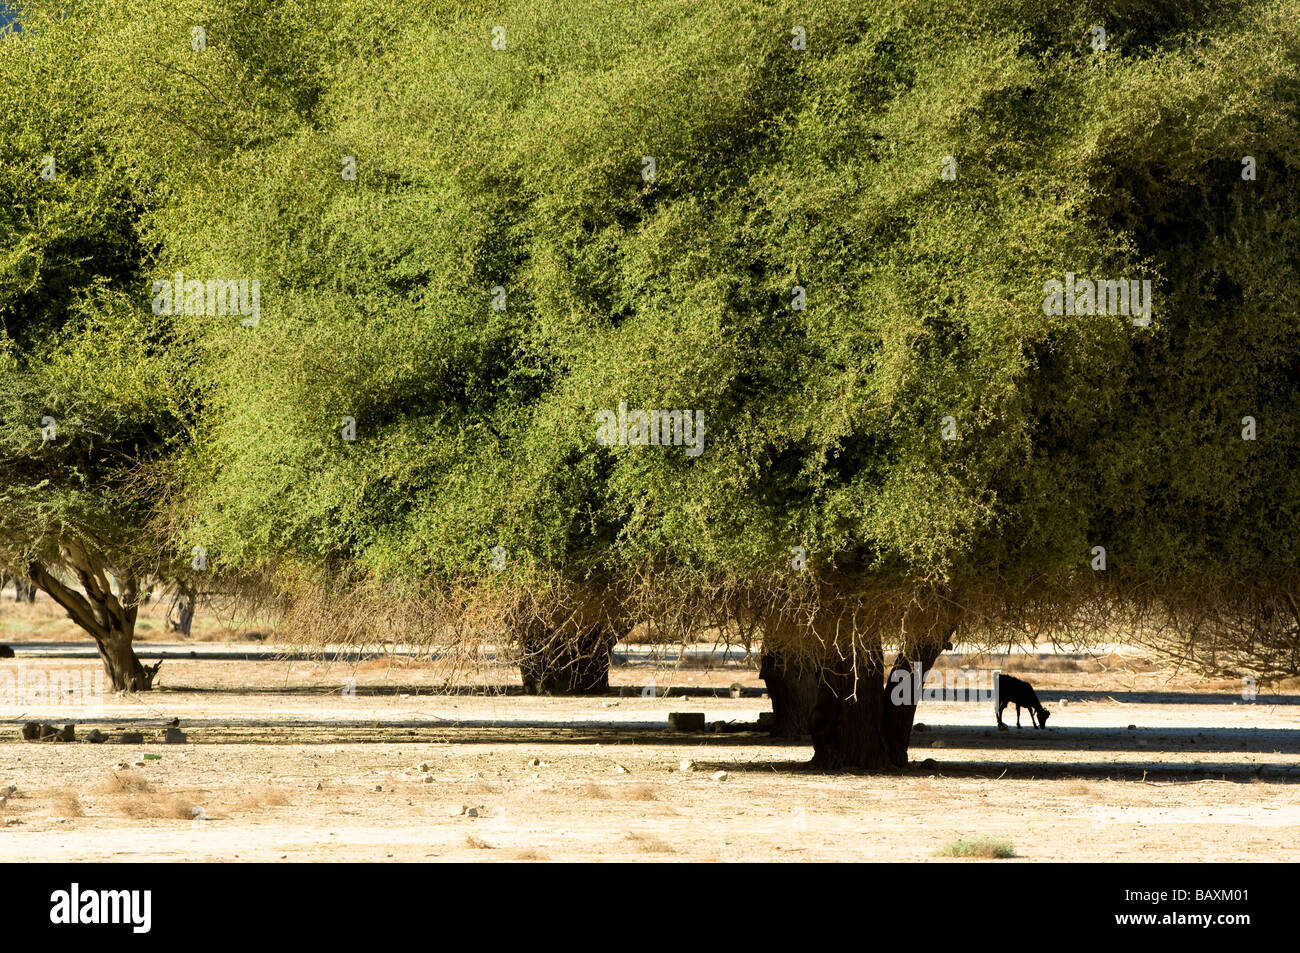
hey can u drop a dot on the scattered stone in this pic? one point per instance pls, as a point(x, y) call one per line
point(122, 766)
point(39, 731)
point(424, 769)
point(131, 738)
point(736, 689)
point(378, 788)
point(687, 764)
point(1063, 702)
point(11, 790)
point(609, 704)
point(719, 775)
point(174, 736)
point(619, 769)
point(686, 720)
point(138, 764)
point(320, 785)
point(427, 778)
point(96, 737)
point(534, 762)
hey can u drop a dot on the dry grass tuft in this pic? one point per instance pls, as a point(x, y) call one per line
point(261, 798)
point(638, 791)
point(649, 844)
point(477, 843)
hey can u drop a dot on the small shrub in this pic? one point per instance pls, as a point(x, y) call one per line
point(981, 848)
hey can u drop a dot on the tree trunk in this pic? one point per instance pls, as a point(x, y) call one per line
point(125, 671)
point(792, 687)
point(24, 591)
point(110, 621)
point(848, 722)
point(181, 617)
point(899, 717)
point(558, 665)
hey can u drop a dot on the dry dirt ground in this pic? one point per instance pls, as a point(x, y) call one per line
point(370, 759)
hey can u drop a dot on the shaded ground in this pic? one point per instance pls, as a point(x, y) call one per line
point(366, 760)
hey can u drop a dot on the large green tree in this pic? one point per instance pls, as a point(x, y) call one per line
point(828, 231)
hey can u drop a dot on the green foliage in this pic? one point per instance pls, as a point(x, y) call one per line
point(980, 848)
point(78, 346)
point(776, 167)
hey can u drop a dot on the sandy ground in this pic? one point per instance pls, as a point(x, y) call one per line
point(370, 760)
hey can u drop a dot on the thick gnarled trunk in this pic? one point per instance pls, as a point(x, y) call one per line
point(558, 664)
point(108, 619)
point(899, 716)
point(848, 722)
point(792, 686)
point(858, 723)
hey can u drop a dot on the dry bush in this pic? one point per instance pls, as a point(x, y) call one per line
point(697, 660)
point(67, 804)
point(125, 780)
point(1058, 663)
point(147, 806)
point(529, 854)
point(477, 843)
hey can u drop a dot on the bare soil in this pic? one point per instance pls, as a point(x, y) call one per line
point(374, 759)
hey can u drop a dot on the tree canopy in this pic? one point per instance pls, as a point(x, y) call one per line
point(828, 233)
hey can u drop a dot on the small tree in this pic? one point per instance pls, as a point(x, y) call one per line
point(91, 384)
